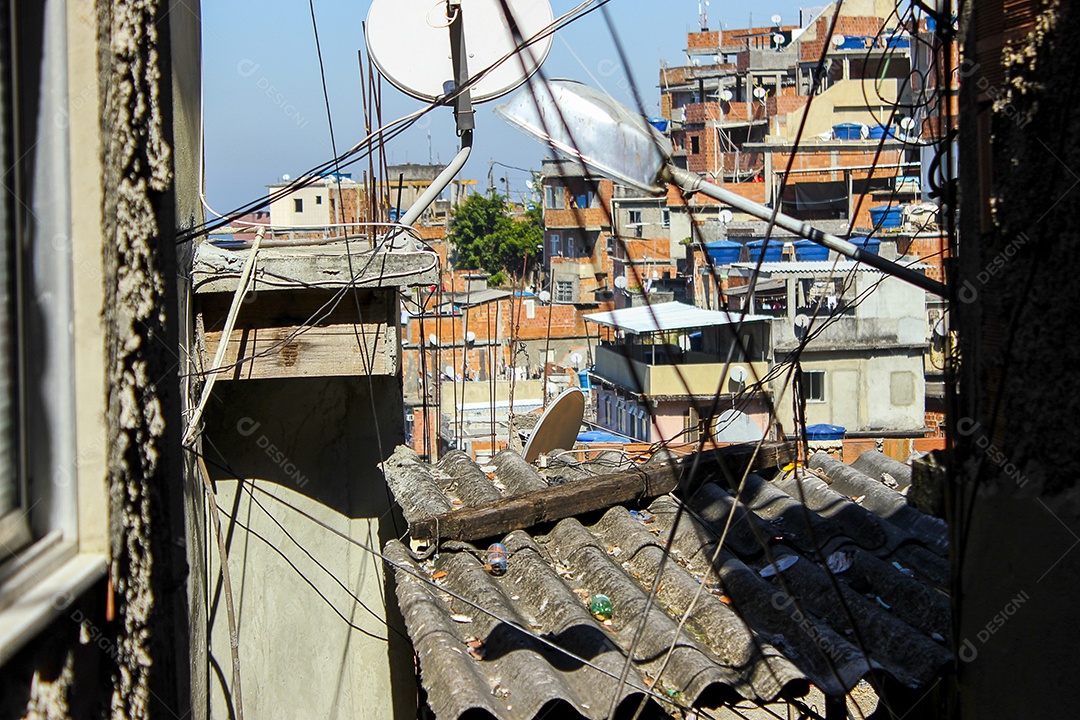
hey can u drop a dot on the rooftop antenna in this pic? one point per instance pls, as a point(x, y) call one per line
point(703, 15)
point(445, 40)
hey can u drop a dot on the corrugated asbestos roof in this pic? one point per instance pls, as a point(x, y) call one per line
point(663, 317)
point(748, 637)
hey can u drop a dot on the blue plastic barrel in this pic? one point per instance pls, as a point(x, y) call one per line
point(724, 252)
point(824, 431)
point(810, 250)
point(880, 131)
point(887, 216)
point(583, 379)
point(774, 251)
point(870, 244)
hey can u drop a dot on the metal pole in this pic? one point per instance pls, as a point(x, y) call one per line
point(694, 184)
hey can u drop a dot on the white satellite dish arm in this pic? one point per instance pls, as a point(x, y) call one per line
point(693, 183)
point(464, 115)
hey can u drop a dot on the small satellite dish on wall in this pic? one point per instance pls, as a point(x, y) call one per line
point(776, 19)
point(838, 40)
point(433, 340)
point(907, 123)
point(802, 326)
point(558, 426)
point(449, 370)
point(576, 359)
point(544, 296)
point(726, 95)
point(738, 374)
point(726, 216)
point(470, 337)
point(409, 41)
point(779, 39)
point(620, 282)
point(760, 93)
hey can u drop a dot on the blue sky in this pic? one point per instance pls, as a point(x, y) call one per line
point(265, 115)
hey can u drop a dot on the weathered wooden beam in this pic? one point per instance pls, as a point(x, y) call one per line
point(599, 493)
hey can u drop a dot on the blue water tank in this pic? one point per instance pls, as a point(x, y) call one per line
point(774, 251)
point(887, 216)
point(824, 431)
point(724, 252)
point(583, 379)
point(810, 250)
point(847, 131)
point(881, 131)
point(870, 244)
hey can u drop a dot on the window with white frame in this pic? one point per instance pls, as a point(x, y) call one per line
point(42, 293)
point(555, 242)
point(555, 197)
point(633, 220)
point(813, 384)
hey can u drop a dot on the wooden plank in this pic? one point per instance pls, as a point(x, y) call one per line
point(321, 351)
point(600, 493)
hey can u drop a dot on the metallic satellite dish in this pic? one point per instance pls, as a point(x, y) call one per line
point(736, 427)
point(726, 216)
point(621, 282)
point(738, 374)
point(558, 426)
point(410, 44)
point(726, 95)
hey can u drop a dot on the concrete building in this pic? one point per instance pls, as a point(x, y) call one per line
point(864, 370)
point(326, 203)
point(671, 371)
point(736, 108)
point(577, 235)
point(296, 427)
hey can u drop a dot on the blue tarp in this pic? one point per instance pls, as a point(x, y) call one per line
point(596, 436)
point(824, 431)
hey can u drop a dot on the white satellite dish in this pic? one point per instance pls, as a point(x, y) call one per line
point(778, 38)
point(433, 340)
point(726, 216)
point(726, 95)
point(286, 177)
point(907, 123)
point(449, 370)
point(426, 66)
point(736, 427)
point(576, 359)
point(544, 296)
point(558, 426)
point(620, 282)
point(776, 19)
point(470, 337)
point(738, 374)
point(760, 93)
point(838, 40)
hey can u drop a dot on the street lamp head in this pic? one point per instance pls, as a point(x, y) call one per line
point(588, 126)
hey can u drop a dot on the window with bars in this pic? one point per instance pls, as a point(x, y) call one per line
point(564, 291)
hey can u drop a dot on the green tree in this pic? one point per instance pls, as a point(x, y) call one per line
point(487, 238)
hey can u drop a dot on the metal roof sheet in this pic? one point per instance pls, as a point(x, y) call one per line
point(752, 634)
point(665, 317)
